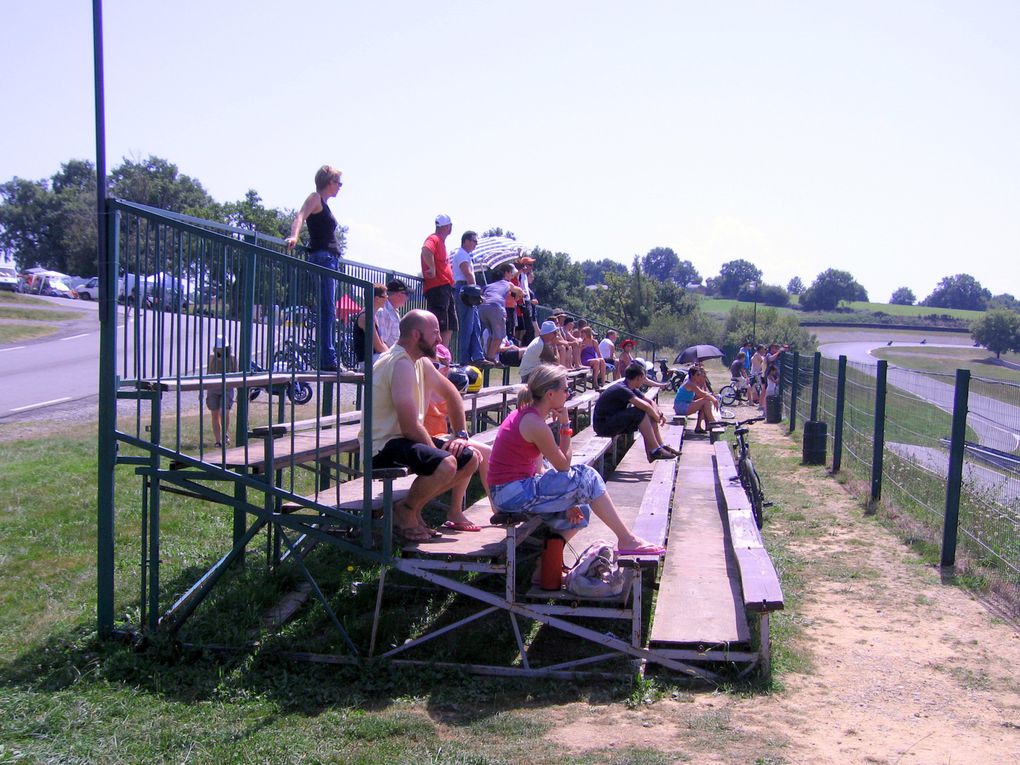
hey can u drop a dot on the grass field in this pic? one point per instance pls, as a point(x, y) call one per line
point(67, 697)
point(915, 310)
point(981, 362)
point(859, 311)
point(16, 332)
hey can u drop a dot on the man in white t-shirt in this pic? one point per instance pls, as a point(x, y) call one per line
point(387, 318)
point(469, 335)
point(607, 347)
point(548, 338)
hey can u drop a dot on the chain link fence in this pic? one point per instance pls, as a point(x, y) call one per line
point(943, 447)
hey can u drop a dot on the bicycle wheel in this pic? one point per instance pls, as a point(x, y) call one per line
point(752, 485)
point(728, 395)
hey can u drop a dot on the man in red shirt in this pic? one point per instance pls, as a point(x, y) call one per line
point(438, 275)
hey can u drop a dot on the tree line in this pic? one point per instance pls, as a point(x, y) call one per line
point(51, 222)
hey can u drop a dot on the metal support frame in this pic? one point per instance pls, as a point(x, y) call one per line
point(954, 476)
point(837, 435)
point(878, 446)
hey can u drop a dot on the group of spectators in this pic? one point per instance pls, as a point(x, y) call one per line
point(418, 418)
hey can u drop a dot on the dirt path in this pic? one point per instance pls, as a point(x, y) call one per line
point(882, 662)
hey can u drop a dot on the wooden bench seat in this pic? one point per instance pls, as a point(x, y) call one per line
point(236, 380)
point(289, 449)
point(759, 581)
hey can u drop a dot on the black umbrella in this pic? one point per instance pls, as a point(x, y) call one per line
point(697, 353)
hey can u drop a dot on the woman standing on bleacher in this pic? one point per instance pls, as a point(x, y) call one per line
point(565, 495)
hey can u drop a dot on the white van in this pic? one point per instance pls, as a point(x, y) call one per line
point(8, 278)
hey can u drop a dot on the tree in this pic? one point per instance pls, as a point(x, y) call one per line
point(558, 282)
point(903, 296)
point(157, 183)
point(596, 270)
point(736, 274)
point(1005, 300)
point(960, 291)
point(685, 273)
point(998, 330)
point(795, 286)
point(770, 326)
point(660, 263)
point(52, 223)
point(773, 295)
point(829, 288)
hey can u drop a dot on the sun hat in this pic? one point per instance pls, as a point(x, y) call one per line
point(443, 355)
point(525, 261)
point(548, 328)
point(627, 342)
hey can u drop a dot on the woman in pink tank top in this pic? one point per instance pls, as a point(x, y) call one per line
point(565, 495)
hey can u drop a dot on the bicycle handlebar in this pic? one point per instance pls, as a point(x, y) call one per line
point(741, 422)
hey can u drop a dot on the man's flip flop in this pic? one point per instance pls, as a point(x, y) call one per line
point(461, 526)
point(643, 550)
point(660, 453)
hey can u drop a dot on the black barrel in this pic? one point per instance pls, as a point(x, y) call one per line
point(773, 409)
point(814, 442)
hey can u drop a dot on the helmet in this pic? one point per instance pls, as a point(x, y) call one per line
point(474, 379)
point(458, 376)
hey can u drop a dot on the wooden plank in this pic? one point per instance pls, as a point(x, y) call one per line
point(700, 601)
point(762, 591)
point(652, 522)
point(291, 449)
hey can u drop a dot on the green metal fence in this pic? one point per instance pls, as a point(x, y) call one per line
point(944, 447)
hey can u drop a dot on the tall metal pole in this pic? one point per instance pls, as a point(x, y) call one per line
point(794, 390)
point(878, 445)
point(754, 321)
point(954, 478)
point(107, 270)
point(837, 436)
point(815, 378)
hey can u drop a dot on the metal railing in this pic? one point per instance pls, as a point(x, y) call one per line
point(200, 314)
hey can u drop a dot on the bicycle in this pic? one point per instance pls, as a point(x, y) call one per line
point(673, 378)
point(746, 472)
point(735, 392)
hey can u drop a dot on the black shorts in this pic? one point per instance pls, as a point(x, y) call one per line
point(625, 421)
point(439, 301)
point(418, 458)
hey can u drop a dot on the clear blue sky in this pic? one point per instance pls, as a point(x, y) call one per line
point(882, 138)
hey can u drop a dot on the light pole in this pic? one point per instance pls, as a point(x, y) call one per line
point(754, 319)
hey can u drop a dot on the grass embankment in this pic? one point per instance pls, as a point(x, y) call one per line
point(64, 696)
point(23, 317)
point(858, 313)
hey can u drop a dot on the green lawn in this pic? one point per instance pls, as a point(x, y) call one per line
point(30, 313)
point(915, 310)
point(16, 333)
point(980, 361)
point(723, 306)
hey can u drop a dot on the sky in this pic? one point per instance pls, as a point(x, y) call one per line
point(879, 138)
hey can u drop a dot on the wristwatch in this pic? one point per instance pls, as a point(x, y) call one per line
point(461, 434)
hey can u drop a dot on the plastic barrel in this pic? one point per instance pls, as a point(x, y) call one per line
point(814, 442)
point(773, 409)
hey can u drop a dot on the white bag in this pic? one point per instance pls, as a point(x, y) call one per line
point(596, 573)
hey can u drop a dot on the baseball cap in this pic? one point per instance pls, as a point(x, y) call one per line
point(443, 220)
point(443, 355)
point(395, 285)
point(548, 328)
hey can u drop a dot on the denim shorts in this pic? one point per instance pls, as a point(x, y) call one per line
point(551, 495)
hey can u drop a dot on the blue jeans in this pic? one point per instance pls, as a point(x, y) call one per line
point(469, 335)
point(327, 307)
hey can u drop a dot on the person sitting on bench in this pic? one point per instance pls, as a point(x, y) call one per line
point(565, 495)
point(403, 379)
point(693, 397)
point(622, 408)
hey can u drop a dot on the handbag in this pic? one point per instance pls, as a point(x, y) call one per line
point(471, 294)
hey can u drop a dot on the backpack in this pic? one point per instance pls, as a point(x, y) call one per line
point(596, 573)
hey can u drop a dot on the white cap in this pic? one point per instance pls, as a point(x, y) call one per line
point(443, 220)
point(219, 342)
point(548, 328)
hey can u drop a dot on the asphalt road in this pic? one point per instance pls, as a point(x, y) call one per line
point(996, 423)
point(57, 370)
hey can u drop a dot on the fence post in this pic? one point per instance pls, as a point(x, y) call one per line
point(815, 375)
point(954, 477)
point(794, 390)
point(878, 445)
point(837, 435)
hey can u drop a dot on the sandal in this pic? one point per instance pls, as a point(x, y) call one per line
point(461, 526)
point(660, 453)
point(646, 549)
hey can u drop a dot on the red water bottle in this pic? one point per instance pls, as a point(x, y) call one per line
point(552, 562)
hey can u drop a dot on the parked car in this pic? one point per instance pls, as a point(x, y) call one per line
point(89, 290)
point(57, 288)
point(8, 278)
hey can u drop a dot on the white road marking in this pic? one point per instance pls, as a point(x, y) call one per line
point(41, 403)
point(15, 348)
point(75, 337)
